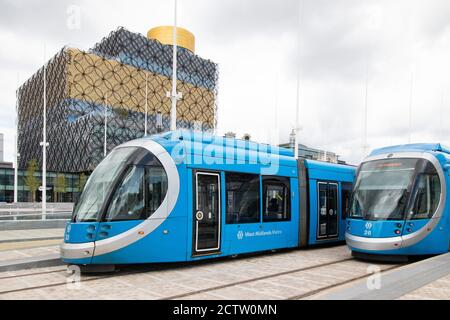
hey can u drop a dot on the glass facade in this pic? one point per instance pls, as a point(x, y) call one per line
point(120, 78)
point(69, 186)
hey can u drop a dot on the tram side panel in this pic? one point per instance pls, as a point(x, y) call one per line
point(325, 192)
point(242, 237)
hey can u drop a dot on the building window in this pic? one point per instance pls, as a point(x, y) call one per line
point(277, 199)
point(243, 198)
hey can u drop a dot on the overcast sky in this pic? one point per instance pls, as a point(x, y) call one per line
point(259, 46)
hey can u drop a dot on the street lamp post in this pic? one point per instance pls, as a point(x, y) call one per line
point(16, 147)
point(411, 97)
point(298, 128)
point(44, 145)
point(174, 95)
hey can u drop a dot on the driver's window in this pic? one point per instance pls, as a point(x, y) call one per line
point(128, 200)
point(426, 194)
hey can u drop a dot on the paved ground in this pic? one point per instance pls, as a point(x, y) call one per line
point(437, 290)
point(287, 275)
point(42, 249)
point(18, 244)
point(297, 274)
point(27, 235)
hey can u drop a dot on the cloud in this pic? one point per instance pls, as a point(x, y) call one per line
point(255, 44)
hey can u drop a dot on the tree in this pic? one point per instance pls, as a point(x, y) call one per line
point(81, 182)
point(60, 185)
point(30, 179)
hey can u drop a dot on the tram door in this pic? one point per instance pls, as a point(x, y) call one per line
point(328, 217)
point(207, 213)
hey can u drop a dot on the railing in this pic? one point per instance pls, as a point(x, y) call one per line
point(55, 215)
point(29, 212)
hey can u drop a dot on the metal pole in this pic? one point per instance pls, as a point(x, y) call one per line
point(146, 105)
point(44, 145)
point(105, 151)
point(16, 139)
point(366, 109)
point(174, 95)
point(410, 108)
point(441, 117)
point(297, 110)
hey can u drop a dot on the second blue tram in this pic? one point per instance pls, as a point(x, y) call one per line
point(400, 204)
point(184, 196)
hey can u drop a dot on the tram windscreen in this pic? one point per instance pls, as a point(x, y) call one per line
point(382, 188)
point(99, 185)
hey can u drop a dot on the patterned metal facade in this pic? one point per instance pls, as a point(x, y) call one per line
point(120, 76)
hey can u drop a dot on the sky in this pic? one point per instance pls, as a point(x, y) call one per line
point(394, 54)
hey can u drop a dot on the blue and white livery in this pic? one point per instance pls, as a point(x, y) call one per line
point(184, 196)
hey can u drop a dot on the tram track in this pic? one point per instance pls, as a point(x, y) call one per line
point(184, 295)
point(62, 283)
point(336, 285)
point(296, 297)
point(194, 292)
point(131, 272)
point(31, 274)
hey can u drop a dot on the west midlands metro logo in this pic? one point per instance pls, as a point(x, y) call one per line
point(368, 230)
point(240, 235)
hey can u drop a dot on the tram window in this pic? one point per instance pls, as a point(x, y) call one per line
point(346, 192)
point(277, 203)
point(427, 194)
point(128, 200)
point(243, 198)
point(156, 182)
point(140, 194)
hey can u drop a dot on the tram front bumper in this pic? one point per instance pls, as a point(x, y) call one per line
point(77, 251)
point(373, 244)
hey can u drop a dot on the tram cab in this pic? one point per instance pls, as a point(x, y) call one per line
point(399, 202)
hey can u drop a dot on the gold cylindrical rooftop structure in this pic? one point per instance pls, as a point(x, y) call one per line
point(164, 34)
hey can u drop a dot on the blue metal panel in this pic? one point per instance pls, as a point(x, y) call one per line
point(377, 229)
point(326, 172)
point(330, 172)
point(421, 147)
point(111, 229)
point(166, 244)
point(80, 232)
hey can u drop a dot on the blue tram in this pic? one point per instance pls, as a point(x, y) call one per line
point(399, 204)
point(185, 196)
